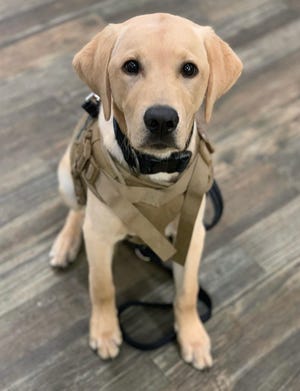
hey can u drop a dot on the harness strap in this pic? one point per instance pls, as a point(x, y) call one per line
point(134, 219)
point(189, 212)
point(94, 169)
point(86, 173)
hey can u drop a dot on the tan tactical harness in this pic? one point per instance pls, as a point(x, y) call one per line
point(144, 207)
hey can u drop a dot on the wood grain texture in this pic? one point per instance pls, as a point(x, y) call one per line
point(251, 263)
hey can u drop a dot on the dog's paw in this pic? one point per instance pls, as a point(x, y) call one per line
point(65, 249)
point(195, 344)
point(105, 339)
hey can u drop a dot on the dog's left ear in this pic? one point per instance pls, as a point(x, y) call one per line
point(91, 64)
point(225, 67)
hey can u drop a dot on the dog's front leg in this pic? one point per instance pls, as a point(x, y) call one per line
point(192, 337)
point(101, 232)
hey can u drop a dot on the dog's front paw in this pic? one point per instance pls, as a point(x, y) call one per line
point(105, 337)
point(194, 343)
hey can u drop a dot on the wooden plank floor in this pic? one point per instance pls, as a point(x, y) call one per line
point(251, 263)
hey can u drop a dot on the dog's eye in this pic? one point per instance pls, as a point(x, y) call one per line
point(131, 67)
point(189, 70)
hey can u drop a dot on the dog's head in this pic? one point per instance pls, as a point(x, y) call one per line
point(155, 71)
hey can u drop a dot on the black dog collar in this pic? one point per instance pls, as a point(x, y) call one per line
point(148, 164)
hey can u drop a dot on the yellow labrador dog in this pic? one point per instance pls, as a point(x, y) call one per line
point(167, 66)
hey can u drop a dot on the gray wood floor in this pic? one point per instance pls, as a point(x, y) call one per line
point(251, 264)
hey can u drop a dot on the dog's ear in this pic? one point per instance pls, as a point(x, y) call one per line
point(224, 69)
point(91, 64)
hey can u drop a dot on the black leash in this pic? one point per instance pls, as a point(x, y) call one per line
point(215, 196)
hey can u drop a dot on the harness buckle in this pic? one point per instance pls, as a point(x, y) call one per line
point(91, 104)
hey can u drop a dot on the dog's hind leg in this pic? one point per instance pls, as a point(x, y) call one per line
point(67, 244)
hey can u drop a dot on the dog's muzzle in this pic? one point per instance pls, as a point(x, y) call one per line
point(161, 123)
point(161, 120)
point(143, 163)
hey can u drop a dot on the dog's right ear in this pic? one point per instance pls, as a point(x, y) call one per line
point(91, 64)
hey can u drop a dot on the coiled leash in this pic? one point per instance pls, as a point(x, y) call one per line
point(91, 105)
point(215, 196)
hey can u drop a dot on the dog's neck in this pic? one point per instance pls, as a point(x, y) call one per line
point(111, 144)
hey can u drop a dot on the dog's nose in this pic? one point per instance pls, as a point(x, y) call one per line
point(161, 120)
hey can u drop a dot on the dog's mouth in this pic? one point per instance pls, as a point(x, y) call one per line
point(164, 144)
point(160, 145)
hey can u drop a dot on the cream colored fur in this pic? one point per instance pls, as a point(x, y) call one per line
point(174, 40)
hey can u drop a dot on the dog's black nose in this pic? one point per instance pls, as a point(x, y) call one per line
point(161, 120)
